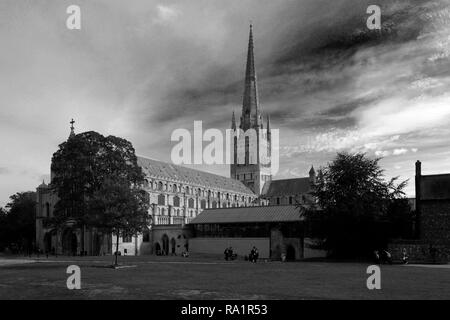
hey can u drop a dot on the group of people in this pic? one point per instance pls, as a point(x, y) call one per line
point(231, 255)
point(254, 254)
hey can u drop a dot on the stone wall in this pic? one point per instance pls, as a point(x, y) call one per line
point(419, 251)
point(241, 246)
point(435, 221)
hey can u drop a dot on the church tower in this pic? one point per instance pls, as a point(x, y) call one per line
point(251, 143)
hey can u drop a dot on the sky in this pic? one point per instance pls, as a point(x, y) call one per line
point(140, 69)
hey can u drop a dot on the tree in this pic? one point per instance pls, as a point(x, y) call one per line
point(80, 167)
point(119, 208)
point(354, 205)
point(17, 222)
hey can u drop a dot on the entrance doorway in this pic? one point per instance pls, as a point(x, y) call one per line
point(290, 253)
point(165, 244)
point(173, 244)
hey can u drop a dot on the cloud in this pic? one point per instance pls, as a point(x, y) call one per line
point(166, 14)
point(398, 152)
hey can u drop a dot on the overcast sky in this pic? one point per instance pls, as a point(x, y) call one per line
point(140, 69)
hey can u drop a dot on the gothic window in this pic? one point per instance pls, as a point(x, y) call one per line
point(146, 183)
point(47, 210)
point(176, 201)
point(160, 186)
point(187, 190)
point(203, 204)
point(191, 203)
point(214, 204)
point(161, 200)
point(174, 188)
point(224, 205)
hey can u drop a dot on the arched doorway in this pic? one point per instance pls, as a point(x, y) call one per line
point(157, 249)
point(290, 253)
point(70, 243)
point(48, 242)
point(173, 245)
point(165, 244)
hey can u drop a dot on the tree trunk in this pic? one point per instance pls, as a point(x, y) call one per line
point(117, 249)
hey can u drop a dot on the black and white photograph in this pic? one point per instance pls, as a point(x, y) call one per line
point(226, 154)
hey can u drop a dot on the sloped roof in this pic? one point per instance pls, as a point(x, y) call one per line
point(276, 188)
point(248, 214)
point(168, 171)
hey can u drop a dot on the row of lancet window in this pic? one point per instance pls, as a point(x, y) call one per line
point(174, 188)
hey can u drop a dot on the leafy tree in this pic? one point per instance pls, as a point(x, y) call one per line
point(17, 222)
point(80, 167)
point(355, 205)
point(119, 208)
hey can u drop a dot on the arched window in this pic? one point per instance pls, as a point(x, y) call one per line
point(191, 203)
point(187, 190)
point(160, 186)
point(47, 210)
point(203, 204)
point(174, 188)
point(176, 201)
point(161, 200)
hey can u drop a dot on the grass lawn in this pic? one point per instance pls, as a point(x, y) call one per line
point(153, 277)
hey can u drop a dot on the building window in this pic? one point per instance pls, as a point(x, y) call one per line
point(290, 200)
point(176, 201)
point(191, 203)
point(160, 186)
point(278, 200)
point(126, 239)
point(161, 200)
point(47, 210)
point(203, 204)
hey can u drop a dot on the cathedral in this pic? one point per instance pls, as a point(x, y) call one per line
point(179, 194)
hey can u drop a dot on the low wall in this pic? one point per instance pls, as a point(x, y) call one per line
point(241, 246)
point(420, 252)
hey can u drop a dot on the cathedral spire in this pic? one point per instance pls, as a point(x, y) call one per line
point(233, 122)
point(250, 114)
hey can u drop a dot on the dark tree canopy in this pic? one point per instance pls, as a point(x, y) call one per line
point(17, 222)
point(356, 206)
point(80, 167)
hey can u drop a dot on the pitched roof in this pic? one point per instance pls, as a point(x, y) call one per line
point(286, 187)
point(168, 171)
point(248, 214)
